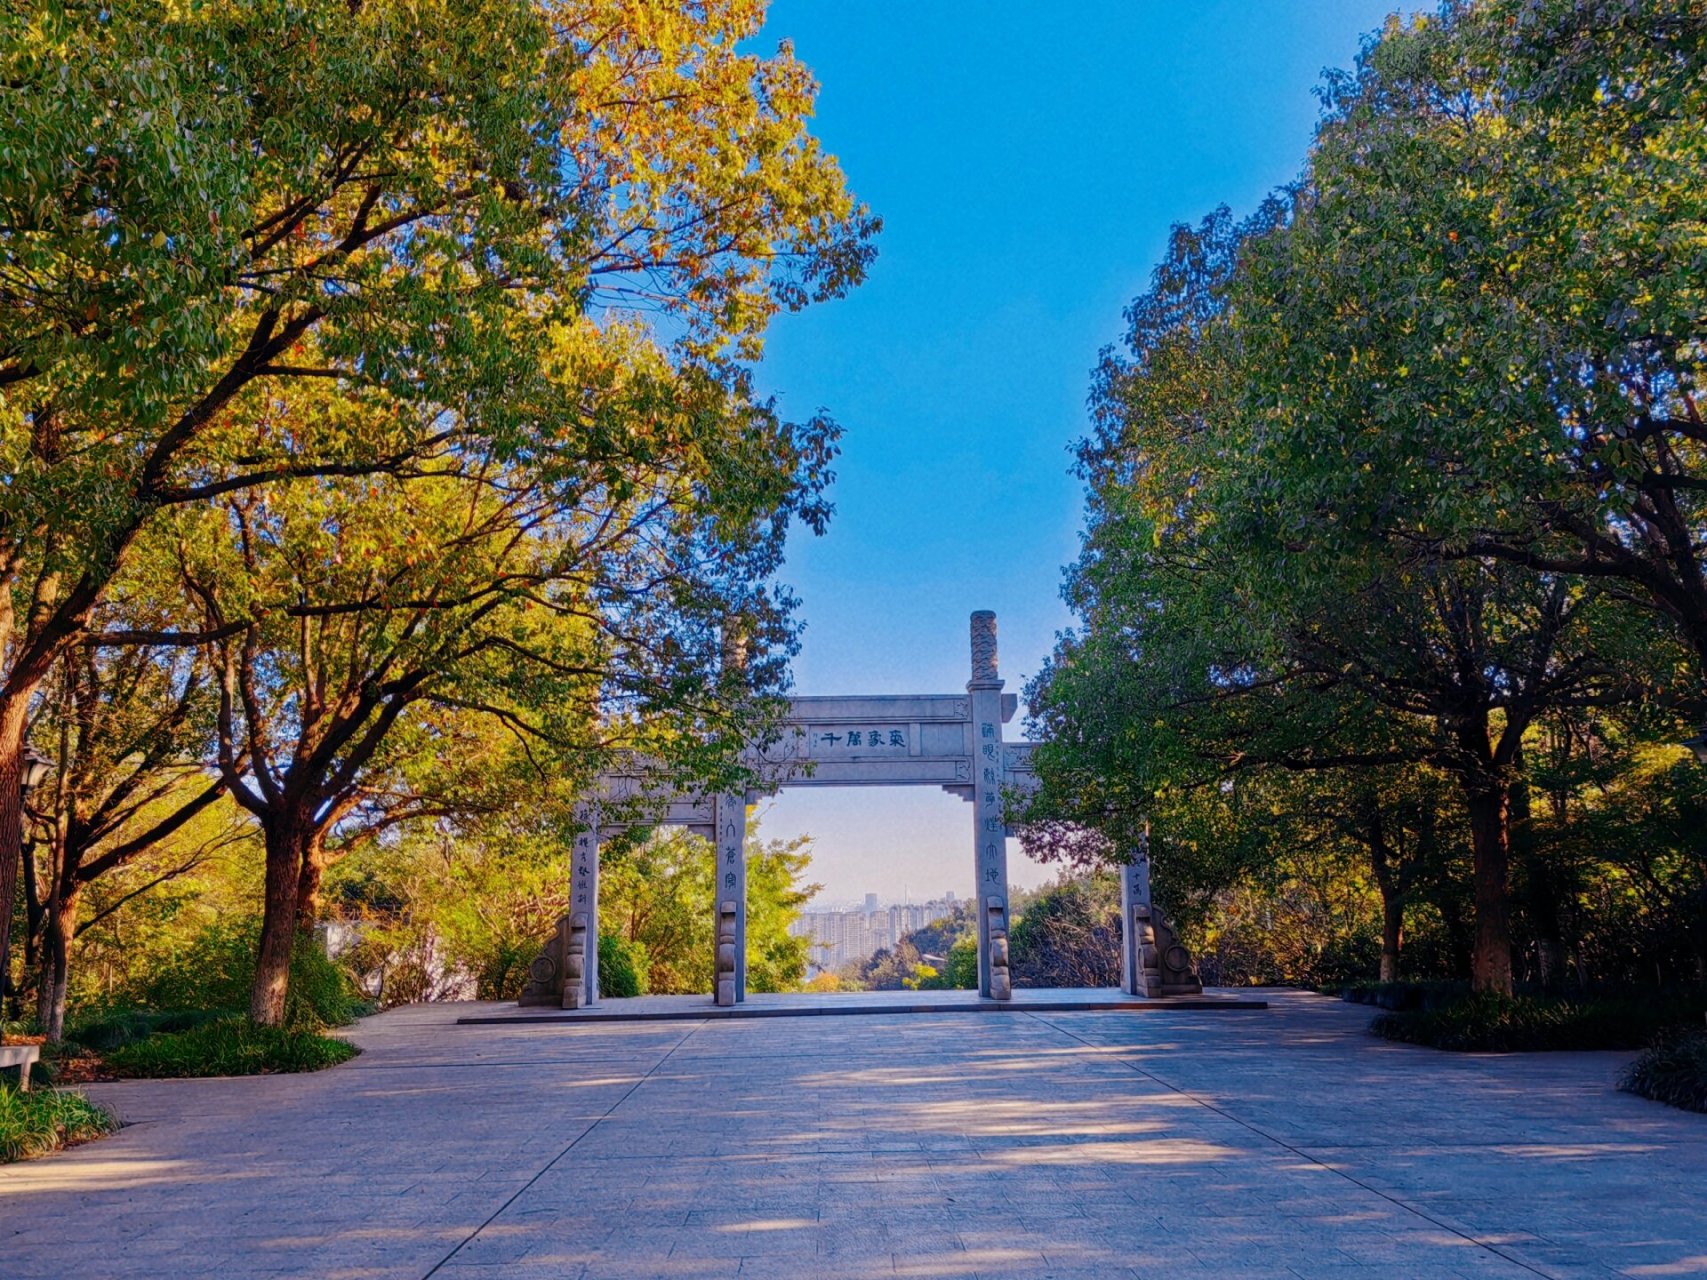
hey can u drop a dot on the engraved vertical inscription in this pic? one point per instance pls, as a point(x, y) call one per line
point(989, 833)
point(731, 832)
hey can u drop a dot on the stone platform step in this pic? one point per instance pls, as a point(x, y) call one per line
point(853, 1004)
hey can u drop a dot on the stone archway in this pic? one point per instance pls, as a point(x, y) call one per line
point(954, 741)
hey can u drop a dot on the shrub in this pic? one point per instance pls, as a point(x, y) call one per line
point(925, 978)
point(229, 1046)
point(963, 964)
point(214, 973)
point(127, 1026)
point(622, 966)
point(1400, 996)
point(1508, 1024)
point(503, 971)
point(33, 1124)
point(1673, 1071)
point(213, 970)
point(959, 970)
point(322, 992)
point(1346, 957)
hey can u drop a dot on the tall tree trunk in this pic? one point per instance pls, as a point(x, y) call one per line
point(12, 720)
point(286, 838)
point(57, 937)
point(1392, 932)
point(1697, 914)
point(1543, 912)
point(1392, 897)
point(1489, 806)
point(1541, 890)
point(1460, 940)
point(308, 882)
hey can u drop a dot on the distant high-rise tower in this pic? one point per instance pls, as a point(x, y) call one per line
point(871, 902)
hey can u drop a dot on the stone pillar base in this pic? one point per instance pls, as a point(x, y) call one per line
point(575, 962)
point(1001, 983)
point(728, 985)
point(1166, 966)
point(545, 974)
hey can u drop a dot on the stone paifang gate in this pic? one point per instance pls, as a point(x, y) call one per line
point(953, 741)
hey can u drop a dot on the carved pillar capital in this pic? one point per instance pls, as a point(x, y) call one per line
point(984, 666)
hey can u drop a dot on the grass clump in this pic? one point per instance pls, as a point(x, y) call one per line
point(33, 1124)
point(1673, 1071)
point(1491, 1023)
point(228, 1046)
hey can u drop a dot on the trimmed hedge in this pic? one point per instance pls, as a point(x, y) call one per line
point(230, 1046)
point(33, 1124)
point(1673, 1071)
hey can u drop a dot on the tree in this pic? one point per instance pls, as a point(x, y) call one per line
point(203, 208)
point(1616, 881)
point(452, 871)
point(128, 731)
point(1383, 470)
point(940, 956)
point(659, 894)
point(894, 968)
point(1249, 620)
point(1069, 934)
point(1485, 284)
point(776, 895)
point(578, 602)
point(442, 905)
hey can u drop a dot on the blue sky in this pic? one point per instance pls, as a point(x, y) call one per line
point(1027, 161)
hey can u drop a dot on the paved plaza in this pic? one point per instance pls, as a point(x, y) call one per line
point(806, 1004)
point(1076, 1144)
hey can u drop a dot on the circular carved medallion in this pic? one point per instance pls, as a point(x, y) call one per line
point(543, 969)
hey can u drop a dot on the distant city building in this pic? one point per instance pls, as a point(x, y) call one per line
point(840, 938)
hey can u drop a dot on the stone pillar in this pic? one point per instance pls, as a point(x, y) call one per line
point(1135, 893)
point(729, 981)
point(989, 846)
point(729, 817)
point(582, 926)
point(1153, 961)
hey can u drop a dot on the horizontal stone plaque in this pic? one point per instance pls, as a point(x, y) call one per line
point(879, 708)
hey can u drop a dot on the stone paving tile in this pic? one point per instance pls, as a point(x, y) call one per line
point(948, 1147)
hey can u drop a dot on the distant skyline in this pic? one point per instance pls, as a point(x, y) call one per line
point(1027, 165)
point(906, 895)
